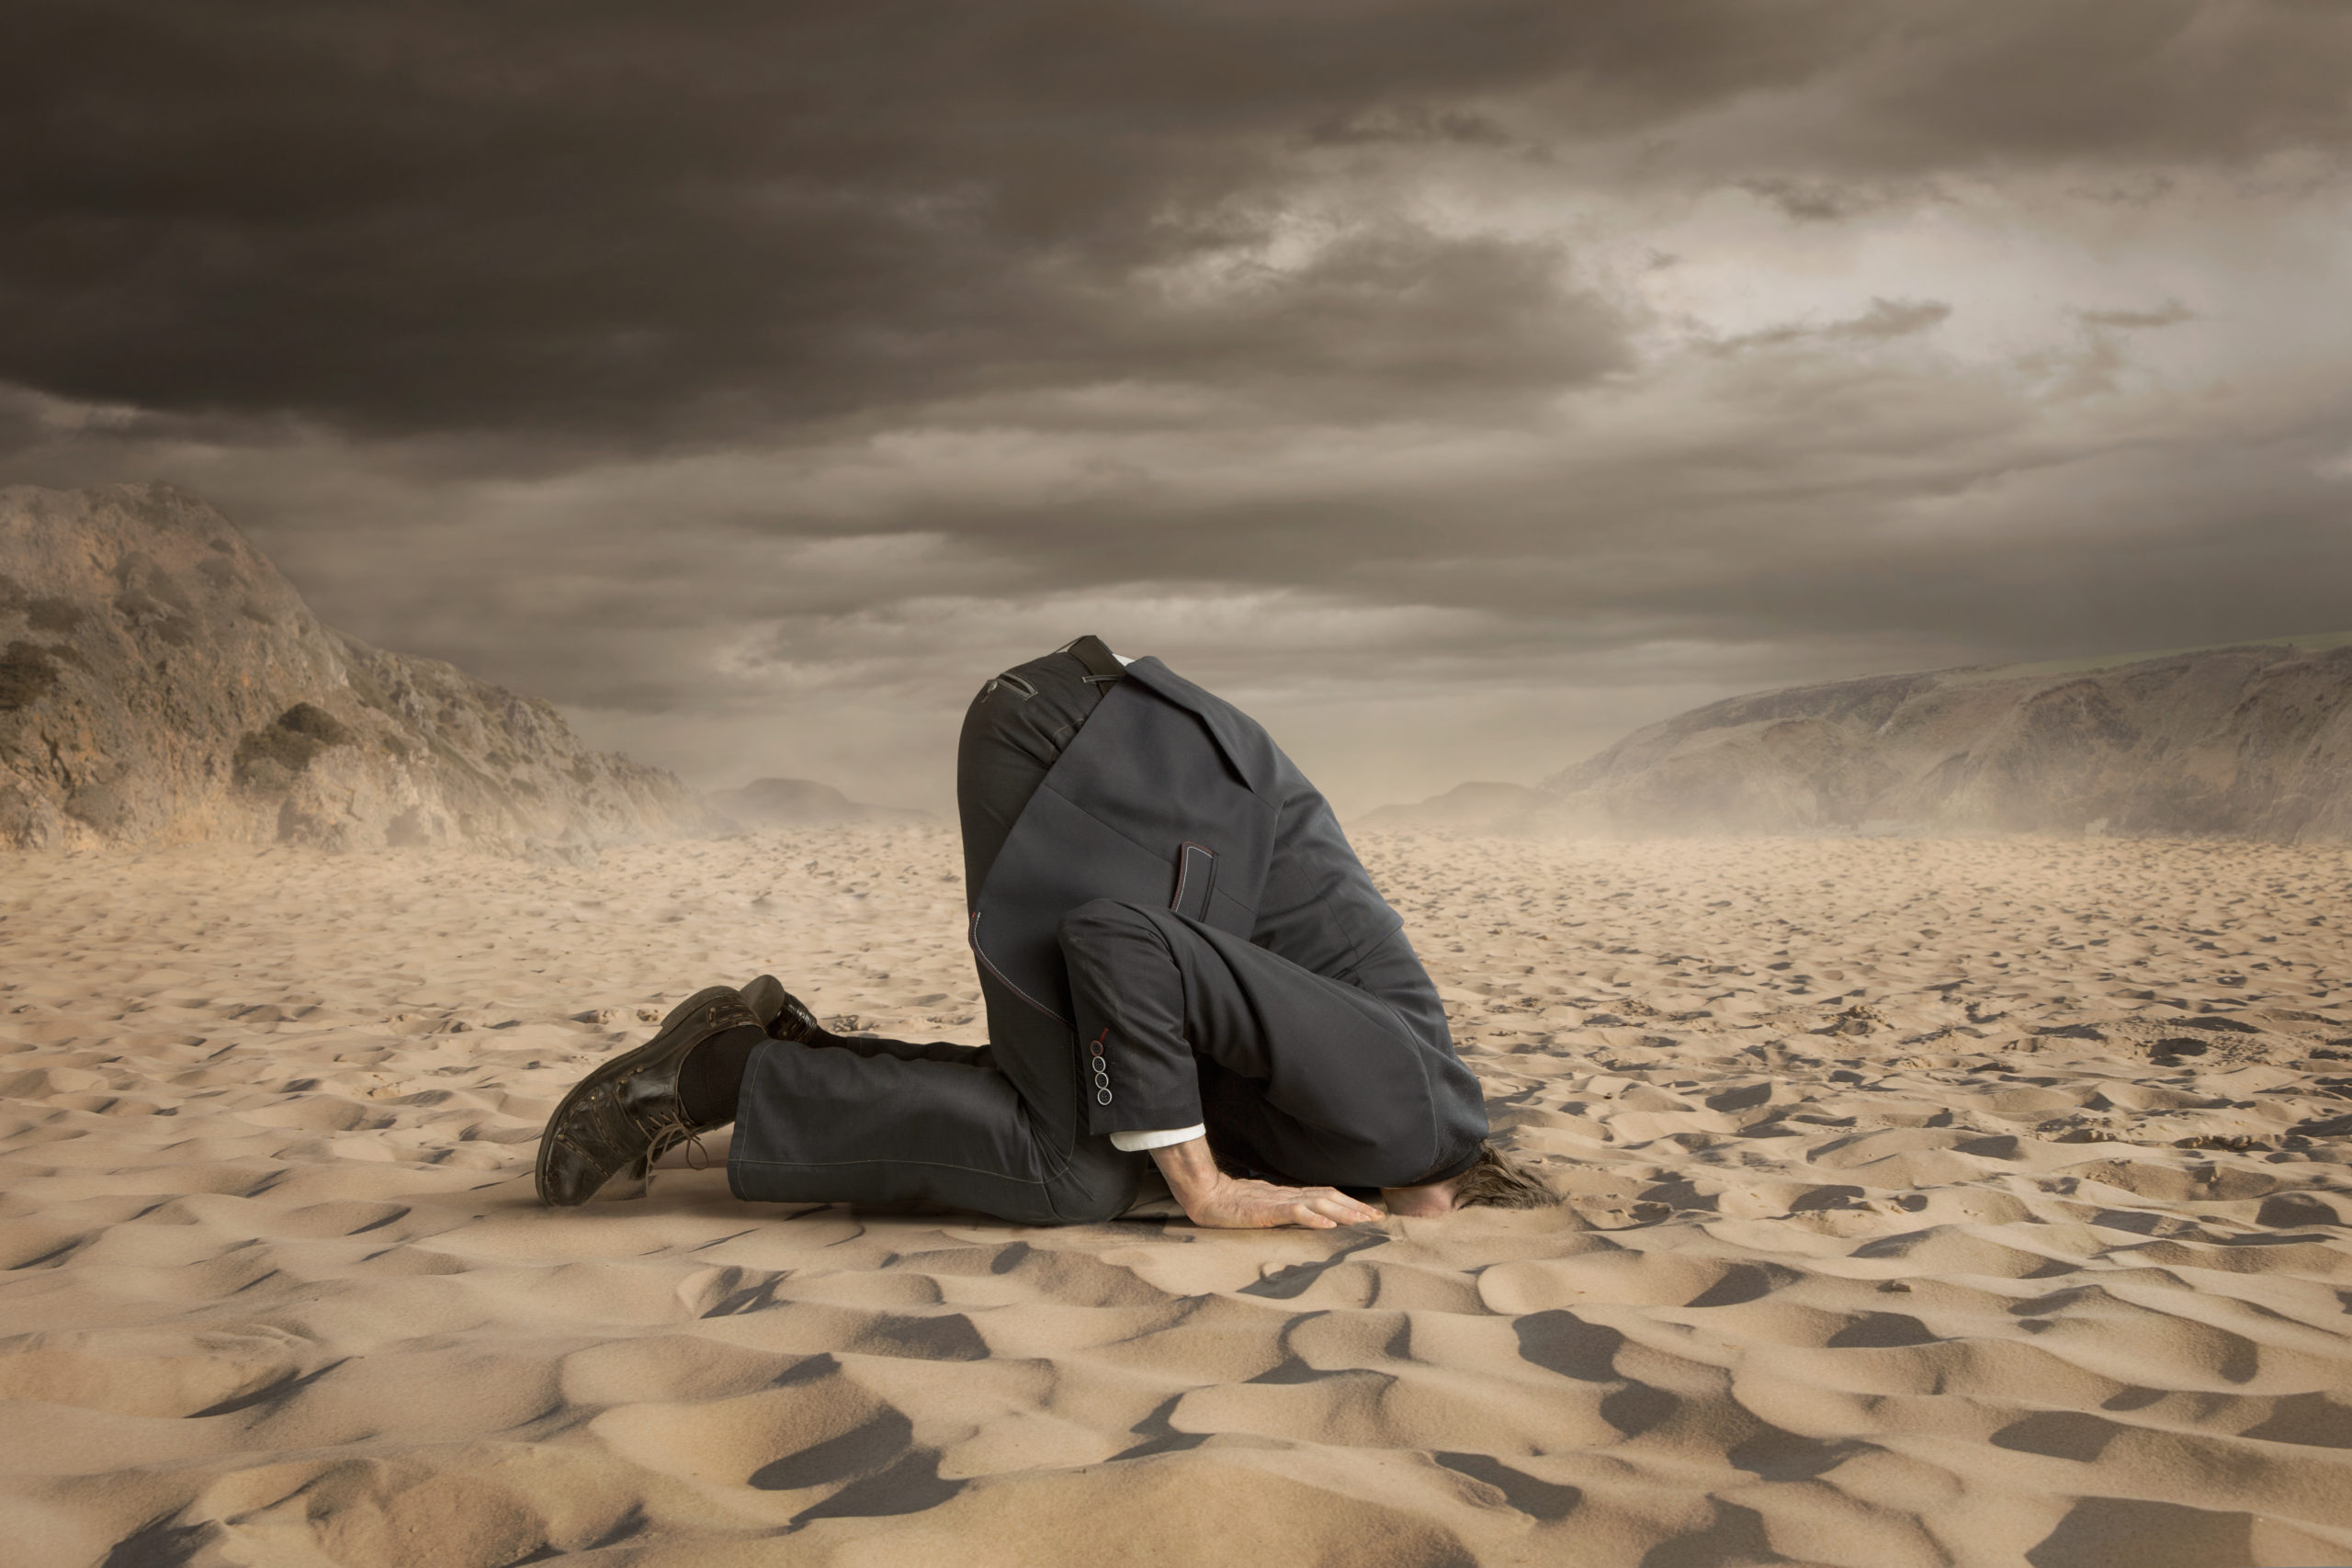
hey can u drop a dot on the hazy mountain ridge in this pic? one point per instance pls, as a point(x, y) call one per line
point(161, 682)
point(2252, 741)
point(800, 803)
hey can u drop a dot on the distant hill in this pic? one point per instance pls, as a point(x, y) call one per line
point(1479, 808)
point(798, 803)
point(2251, 741)
point(161, 682)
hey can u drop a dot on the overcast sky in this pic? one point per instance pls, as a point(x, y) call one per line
point(1456, 385)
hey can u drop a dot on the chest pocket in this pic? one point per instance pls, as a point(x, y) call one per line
point(1195, 875)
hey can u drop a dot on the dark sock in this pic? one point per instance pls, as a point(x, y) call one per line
point(710, 1080)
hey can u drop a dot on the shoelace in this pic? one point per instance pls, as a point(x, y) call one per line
point(668, 1133)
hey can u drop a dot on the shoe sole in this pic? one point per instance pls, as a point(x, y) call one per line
point(614, 1069)
point(765, 997)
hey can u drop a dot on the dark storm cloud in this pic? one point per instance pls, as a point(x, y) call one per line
point(654, 221)
point(2187, 79)
point(693, 363)
point(1895, 93)
point(660, 223)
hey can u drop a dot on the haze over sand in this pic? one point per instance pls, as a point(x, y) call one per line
point(1931, 1202)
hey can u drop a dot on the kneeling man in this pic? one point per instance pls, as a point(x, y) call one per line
point(1183, 963)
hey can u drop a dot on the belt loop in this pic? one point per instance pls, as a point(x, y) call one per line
point(1103, 666)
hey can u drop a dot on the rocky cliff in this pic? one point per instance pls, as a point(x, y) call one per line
point(162, 684)
point(2250, 741)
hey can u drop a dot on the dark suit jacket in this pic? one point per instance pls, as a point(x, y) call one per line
point(1170, 797)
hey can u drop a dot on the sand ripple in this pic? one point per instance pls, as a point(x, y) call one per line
point(1930, 1203)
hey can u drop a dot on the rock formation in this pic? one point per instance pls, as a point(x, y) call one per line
point(160, 682)
point(2249, 741)
point(798, 803)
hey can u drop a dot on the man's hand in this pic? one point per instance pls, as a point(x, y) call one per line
point(1243, 1205)
point(1220, 1201)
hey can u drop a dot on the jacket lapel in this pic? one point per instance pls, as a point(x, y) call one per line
point(1247, 750)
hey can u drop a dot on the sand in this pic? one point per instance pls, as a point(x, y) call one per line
point(1931, 1202)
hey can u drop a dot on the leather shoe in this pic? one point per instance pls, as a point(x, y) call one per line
point(782, 1014)
point(626, 1115)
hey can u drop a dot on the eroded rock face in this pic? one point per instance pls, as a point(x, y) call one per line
point(2250, 742)
point(160, 682)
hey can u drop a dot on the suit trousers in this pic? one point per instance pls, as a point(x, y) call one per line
point(1196, 1025)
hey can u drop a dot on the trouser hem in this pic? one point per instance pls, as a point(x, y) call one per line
point(1064, 1199)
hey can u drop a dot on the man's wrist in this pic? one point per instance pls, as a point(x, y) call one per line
point(1192, 1174)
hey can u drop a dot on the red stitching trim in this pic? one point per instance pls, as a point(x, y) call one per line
point(1185, 871)
point(973, 937)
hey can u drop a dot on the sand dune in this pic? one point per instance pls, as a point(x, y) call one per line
point(1931, 1202)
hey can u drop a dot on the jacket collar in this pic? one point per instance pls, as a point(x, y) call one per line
point(1247, 750)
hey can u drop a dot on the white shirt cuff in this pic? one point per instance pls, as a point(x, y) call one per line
point(1135, 1143)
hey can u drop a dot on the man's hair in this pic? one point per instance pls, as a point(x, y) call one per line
point(1504, 1180)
